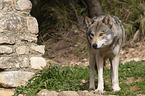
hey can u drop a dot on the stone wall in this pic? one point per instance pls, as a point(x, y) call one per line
point(20, 55)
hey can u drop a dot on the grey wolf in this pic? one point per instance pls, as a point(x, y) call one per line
point(105, 35)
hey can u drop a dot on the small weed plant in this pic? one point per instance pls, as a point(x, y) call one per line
point(67, 78)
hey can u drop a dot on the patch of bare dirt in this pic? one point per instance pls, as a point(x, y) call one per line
point(136, 53)
point(72, 50)
point(132, 79)
point(134, 88)
point(66, 50)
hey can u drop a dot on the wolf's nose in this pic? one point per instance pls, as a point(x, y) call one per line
point(94, 46)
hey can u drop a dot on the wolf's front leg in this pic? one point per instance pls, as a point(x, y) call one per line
point(114, 73)
point(100, 74)
point(92, 65)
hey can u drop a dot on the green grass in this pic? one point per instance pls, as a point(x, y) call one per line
point(135, 70)
point(56, 78)
point(66, 78)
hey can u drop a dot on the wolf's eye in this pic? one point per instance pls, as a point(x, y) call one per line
point(92, 35)
point(101, 34)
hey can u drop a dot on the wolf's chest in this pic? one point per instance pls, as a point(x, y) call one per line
point(108, 53)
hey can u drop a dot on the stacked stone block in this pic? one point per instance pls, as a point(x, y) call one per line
point(19, 52)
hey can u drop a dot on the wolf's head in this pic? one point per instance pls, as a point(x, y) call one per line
point(99, 33)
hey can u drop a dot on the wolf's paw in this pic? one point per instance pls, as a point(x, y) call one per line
point(116, 88)
point(91, 87)
point(99, 91)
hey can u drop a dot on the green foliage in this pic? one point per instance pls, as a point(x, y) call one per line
point(59, 16)
point(142, 27)
point(70, 78)
point(129, 11)
point(55, 78)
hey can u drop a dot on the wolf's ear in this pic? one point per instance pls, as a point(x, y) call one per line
point(89, 21)
point(107, 20)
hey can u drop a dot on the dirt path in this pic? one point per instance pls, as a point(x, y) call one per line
point(137, 53)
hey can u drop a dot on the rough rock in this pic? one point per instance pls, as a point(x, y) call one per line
point(23, 5)
point(45, 92)
point(7, 38)
point(86, 93)
point(28, 37)
point(22, 50)
point(6, 5)
point(15, 78)
point(5, 49)
point(14, 62)
point(32, 25)
point(6, 92)
point(68, 93)
point(12, 22)
point(18, 33)
point(82, 93)
point(38, 48)
point(37, 62)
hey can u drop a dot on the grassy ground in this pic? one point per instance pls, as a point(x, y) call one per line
point(131, 76)
point(132, 79)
